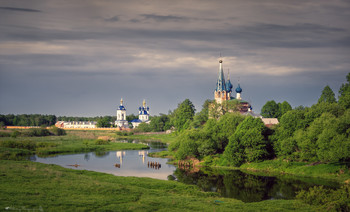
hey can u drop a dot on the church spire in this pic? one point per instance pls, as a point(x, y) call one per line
point(220, 84)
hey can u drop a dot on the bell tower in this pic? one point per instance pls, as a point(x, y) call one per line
point(220, 93)
point(121, 116)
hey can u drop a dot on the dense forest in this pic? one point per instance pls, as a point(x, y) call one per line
point(317, 133)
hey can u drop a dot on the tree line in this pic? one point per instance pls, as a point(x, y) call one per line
point(27, 120)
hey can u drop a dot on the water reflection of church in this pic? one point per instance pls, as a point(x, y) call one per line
point(121, 154)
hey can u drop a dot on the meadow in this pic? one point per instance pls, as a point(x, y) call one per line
point(34, 186)
point(17, 147)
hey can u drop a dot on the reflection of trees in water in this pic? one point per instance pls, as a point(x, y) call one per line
point(101, 154)
point(246, 187)
point(87, 156)
point(32, 158)
point(243, 186)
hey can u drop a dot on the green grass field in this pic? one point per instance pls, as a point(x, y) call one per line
point(33, 186)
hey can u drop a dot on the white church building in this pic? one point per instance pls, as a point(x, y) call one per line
point(121, 116)
point(143, 115)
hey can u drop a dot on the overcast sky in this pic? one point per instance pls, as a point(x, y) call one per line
point(79, 57)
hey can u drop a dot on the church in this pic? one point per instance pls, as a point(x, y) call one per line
point(223, 92)
point(121, 116)
point(143, 115)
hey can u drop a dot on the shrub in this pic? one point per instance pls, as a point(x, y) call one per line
point(101, 142)
point(14, 154)
point(30, 145)
point(327, 199)
point(57, 131)
point(187, 148)
point(124, 133)
point(37, 132)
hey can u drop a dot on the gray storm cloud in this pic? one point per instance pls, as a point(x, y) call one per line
point(80, 57)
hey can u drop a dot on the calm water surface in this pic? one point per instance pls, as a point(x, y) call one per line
point(228, 183)
point(132, 162)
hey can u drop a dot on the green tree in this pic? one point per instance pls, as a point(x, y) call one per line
point(202, 117)
point(327, 95)
point(270, 110)
point(187, 145)
point(184, 113)
point(216, 110)
point(344, 93)
point(247, 144)
point(308, 140)
point(160, 123)
point(317, 110)
point(143, 127)
point(227, 125)
point(103, 122)
point(284, 107)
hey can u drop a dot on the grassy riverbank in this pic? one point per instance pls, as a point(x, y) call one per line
point(74, 142)
point(334, 171)
point(339, 172)
point(28, 185)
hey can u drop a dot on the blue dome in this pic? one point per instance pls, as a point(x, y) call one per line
point(239, 89)
point(121, 107)
point(229, 86)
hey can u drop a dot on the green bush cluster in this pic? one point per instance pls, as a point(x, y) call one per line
point(14, 154)
point(101, 142)
point(37, 132)
point(240, 139)
point(319, 133)
point(57, 131)
point(23, 144)
point(327, 199)
point(124, 133)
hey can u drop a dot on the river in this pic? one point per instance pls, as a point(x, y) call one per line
point(248, 187)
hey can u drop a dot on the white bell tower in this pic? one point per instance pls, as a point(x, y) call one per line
point(121, 116)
